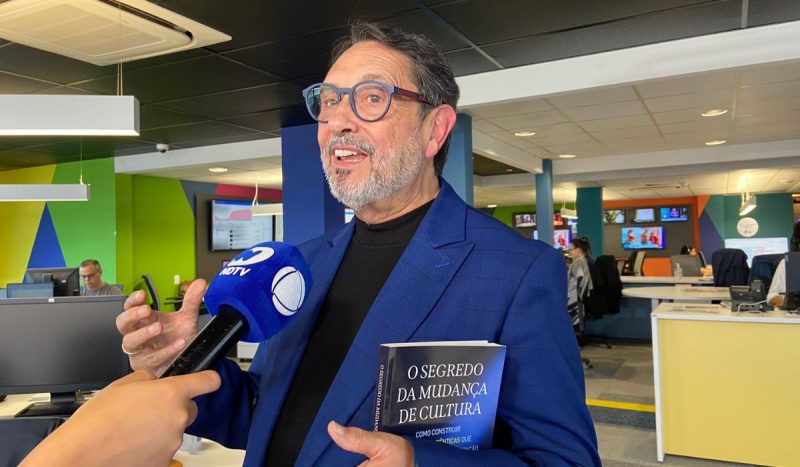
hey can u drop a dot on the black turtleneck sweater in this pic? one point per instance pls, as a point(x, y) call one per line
point(367, 263)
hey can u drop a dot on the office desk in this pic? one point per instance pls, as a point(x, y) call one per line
point(726, 383)
point(666, 280)
point(209, 454)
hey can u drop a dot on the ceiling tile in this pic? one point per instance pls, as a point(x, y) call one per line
point(272, 120)
point(182, 80)
point(772, 73)
point(709, 81)
point(190, 132)
point(594, 97)
point(511, 108)
point(623, 133)
point(47, 66)
point(468, 62)
point(245, 101)
point(613, 123)
point(708, 99)
point(615, 109)
point(13, 84)
point(532, 121)
point(770, 91)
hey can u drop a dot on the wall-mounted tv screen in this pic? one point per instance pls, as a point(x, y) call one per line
point(558, 221)
point(643, 238)
point(524, 219)
point(614, 216)
point(234, 227)
point(675, 214)
point(641, 215)
point(561, 237)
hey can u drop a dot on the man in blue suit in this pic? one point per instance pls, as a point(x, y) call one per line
point(417, 264)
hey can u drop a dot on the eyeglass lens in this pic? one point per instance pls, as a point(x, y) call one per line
point(370, 101)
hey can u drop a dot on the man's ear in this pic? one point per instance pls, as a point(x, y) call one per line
point(442, 119)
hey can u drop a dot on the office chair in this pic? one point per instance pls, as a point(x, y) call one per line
point(605, 296)
point(638, 263)
point(690, 265)
point(763, 268)
point(151, 289)
point(730, 267)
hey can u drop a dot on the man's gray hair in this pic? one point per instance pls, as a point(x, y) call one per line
point(431, 72)
point(87, 262)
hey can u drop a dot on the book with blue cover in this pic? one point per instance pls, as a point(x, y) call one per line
point(441, 391)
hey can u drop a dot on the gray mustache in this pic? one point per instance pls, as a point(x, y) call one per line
point(349, 140)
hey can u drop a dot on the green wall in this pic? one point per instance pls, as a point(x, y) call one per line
point(162, 233)
point(773, 214)
point(88, 229)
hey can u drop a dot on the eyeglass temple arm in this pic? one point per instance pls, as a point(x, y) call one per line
point(411, 94)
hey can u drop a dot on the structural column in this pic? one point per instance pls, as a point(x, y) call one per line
point(544, 202)
point(309, 209)
point(590, 217)
point(458, 169)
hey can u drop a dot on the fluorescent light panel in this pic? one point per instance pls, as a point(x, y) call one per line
point(66, 192)
point(39, 114)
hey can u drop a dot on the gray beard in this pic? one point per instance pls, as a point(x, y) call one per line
point(390, 172)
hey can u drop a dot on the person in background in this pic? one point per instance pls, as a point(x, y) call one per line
point(136, 420)
point(415, 264)
point(93, 285)
point(777, 290)
point(580, 278)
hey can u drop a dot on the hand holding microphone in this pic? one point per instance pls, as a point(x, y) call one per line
point(251, 299)
point(244, 286)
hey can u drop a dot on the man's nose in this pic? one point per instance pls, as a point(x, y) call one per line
point(342, 119)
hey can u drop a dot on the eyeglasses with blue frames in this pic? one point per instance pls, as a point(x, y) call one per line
point(370, 100)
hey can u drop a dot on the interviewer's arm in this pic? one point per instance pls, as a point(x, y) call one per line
point(135, 421)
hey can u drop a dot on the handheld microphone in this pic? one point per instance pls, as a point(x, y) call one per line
point(252, 298)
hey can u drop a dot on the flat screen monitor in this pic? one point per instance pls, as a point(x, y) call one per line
point(758, 246)
point(558, 221)
point(614, 216)
point(674, 214)
point(642, 215)
point(561, 238)
point(643, 238)
point(234, 227)
point(34, 290)
point(65, 281)
point(524, 219)
point(59, 345)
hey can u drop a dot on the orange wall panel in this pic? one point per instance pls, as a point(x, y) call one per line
point(656, 267)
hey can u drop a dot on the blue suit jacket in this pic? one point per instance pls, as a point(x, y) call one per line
point(463, 276)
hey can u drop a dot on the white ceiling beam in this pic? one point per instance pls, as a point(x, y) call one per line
point(203, 155)
point(744, 47)
point(501, 151)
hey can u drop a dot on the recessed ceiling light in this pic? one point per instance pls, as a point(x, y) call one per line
point(218, 170)
point(714, 112)
point(524, 134)
point(715, 142)
point(567, 156)
point(491, 205)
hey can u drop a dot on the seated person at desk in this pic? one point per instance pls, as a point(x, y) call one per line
point(777, 290)
point(93, 285)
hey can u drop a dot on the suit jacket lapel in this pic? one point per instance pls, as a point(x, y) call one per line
point(421, 275)
point(283, 352)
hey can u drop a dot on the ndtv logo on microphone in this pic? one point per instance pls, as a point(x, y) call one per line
point(247, 258)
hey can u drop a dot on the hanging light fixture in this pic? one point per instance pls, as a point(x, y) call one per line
point(568, 213)
point(40, 115)
point(41, 192)
point(748, 203)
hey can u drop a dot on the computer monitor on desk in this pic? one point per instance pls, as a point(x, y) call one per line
point(690, 265)
point(36, 290)
point(59, 345)
point(792, 267)
point(65, 280)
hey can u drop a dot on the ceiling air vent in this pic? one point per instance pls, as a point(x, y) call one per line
point(102, 32)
